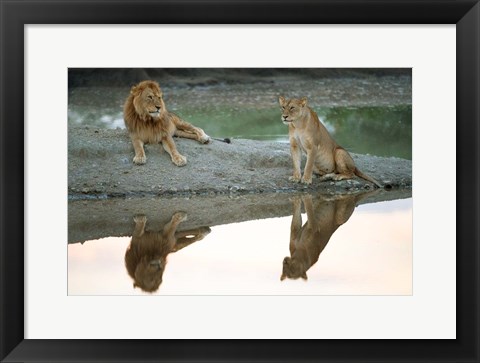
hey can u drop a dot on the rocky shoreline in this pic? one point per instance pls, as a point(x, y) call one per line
point(100, 166)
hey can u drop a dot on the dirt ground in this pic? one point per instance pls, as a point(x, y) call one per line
point(100, 165)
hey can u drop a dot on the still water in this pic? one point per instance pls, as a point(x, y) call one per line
point(322, 246)
point(246, 112)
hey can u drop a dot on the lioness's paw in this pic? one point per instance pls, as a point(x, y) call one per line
point(140, 218)
point(180, 216)
point(139, 160)
point(296, 202)
point(179, 160)
point(294, 178)
point(295, 199)
point(307, 181)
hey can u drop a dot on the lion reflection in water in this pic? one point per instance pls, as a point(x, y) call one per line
point(324, 216)
point(147, 253)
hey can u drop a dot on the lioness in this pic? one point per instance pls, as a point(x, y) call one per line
point(148, 121)
point(324, 216)
point(324, 156)
point(146, 256)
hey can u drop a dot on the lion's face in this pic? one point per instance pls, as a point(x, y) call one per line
point(148, 99)
point(292, 269)
point(148, 273)
point(292, 109)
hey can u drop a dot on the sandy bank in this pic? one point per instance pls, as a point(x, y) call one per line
point(100, 166)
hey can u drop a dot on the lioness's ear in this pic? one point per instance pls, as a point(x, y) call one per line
point(281, 100)
point(303, 101)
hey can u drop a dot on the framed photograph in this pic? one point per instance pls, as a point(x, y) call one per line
point(258, 282)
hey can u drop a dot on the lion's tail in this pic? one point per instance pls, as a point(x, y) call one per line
point(367, 178)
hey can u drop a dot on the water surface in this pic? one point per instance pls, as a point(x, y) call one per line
point(365, 250)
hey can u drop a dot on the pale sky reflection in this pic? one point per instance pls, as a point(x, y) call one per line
point(371, 254)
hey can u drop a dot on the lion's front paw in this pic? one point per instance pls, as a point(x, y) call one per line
point(139, 160)
point(294, 178)
point(180, 216)
point(179, 160)
point(205, 139)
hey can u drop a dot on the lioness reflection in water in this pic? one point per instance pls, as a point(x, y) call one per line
point(324, 216)
point(147, 253)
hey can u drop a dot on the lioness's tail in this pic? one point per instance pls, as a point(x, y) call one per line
point(367, 178)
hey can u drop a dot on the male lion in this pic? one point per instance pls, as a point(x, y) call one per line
point(148, 121)
point(324, 156)
point(146, 256)
point(324, 216)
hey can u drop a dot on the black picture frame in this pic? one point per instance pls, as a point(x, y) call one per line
point(15, 14)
